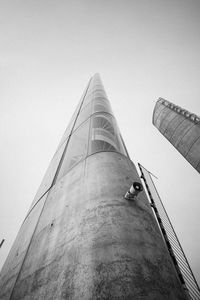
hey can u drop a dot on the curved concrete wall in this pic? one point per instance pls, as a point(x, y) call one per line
point(91, 243)
point(181, 128)
point(81, 239)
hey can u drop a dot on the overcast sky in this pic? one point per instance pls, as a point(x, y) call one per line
point(142, 49)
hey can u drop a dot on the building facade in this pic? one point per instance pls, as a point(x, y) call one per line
point(81, 239)
point(181, 128)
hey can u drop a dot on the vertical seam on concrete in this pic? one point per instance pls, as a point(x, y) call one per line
point(164, 107)
point(176, 115)
point(185, 134)
point(154, 110)
point(64, 151)
point(175, 130)
point(35, 204)
point(27, 249)
point(192, 146)
point(89, 136)
point(165, 117)
point(163, 120)
point(90, 124)
point(53, 181)
point(180, 152)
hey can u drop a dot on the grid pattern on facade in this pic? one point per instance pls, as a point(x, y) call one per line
point(92, 129)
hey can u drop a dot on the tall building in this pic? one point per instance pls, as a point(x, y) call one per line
point(81, 239)
point(181, 128)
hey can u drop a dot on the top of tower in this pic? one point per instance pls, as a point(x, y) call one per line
point(179, 110)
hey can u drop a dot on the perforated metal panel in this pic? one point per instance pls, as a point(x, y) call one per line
point(181, 263)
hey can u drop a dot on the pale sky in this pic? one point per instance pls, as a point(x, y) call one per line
point(142, 49)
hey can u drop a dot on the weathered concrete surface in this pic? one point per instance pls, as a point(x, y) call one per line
point(48, 179)
point(83, 240)
point(49, 176)
point(181, 128)
point(90, 243)
point(14, 261)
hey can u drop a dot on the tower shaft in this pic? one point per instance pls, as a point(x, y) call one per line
point(81, 239)
point(181, 128)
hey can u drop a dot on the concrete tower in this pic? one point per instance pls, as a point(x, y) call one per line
point(181, 128)
point(81, 239)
